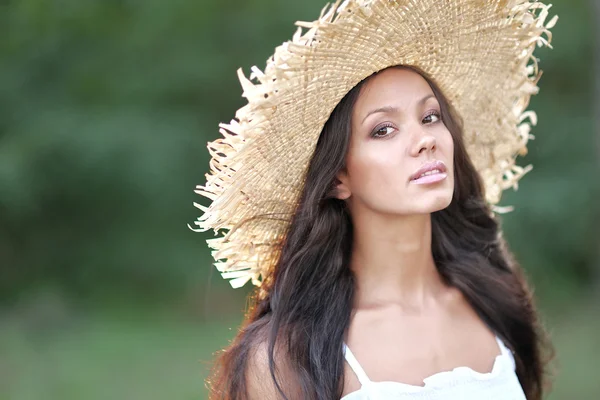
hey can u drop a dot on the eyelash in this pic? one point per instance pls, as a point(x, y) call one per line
point(389, 125)
point(433, 112)
point(380, 128)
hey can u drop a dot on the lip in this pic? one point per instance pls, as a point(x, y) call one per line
point(430, 166)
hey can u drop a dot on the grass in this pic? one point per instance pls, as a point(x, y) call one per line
point(149, 355)
point(108, 356)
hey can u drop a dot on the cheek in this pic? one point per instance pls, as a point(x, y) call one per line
point(375, 169)
point(448, 149)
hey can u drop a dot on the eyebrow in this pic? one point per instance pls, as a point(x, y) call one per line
point(392, 109)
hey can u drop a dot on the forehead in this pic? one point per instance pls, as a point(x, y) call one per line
point(392, 87)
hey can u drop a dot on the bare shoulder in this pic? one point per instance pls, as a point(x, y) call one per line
point(259, 376)
point(461, 311)
point(470, 328)
point(456, 303)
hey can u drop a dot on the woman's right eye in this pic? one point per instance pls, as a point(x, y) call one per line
point(382, 131)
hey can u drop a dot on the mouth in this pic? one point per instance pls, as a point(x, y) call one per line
point(431, 172)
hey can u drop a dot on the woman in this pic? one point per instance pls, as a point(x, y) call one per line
point(366, 218)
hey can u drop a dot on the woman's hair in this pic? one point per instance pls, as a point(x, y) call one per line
point(301, 315)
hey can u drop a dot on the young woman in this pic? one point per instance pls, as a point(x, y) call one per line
point(389, 279)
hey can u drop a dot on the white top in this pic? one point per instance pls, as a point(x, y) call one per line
point(462, 383)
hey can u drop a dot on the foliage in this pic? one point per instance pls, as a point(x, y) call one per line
point(106, 107)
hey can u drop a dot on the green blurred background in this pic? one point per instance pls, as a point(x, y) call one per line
point(105, 111)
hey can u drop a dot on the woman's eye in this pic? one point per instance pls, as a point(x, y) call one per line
point(431, 118)
point(383, 131)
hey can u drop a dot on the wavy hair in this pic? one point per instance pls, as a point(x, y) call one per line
point(304, 309)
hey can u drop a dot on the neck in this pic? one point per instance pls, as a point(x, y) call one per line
point(393, 262)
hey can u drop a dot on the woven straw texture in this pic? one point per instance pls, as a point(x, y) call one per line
point(479, 52)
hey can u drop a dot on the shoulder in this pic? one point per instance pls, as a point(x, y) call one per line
point(259, 381)
point(262, 371)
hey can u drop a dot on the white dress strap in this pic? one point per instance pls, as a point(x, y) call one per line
point(501, 345)
point(353, 363)
point(506, 353)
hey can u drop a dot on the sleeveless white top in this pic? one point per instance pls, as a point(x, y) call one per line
point(462, 383)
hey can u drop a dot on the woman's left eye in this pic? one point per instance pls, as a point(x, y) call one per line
point(432, 118)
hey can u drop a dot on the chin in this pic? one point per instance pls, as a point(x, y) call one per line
point(434, 202)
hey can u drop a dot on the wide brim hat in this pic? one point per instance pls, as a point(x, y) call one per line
point(479, 52)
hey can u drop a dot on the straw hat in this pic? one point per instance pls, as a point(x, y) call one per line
point(479, 52)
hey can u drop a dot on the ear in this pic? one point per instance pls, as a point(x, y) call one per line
point(342, 187)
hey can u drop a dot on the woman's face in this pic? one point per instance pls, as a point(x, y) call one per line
point(396, 132)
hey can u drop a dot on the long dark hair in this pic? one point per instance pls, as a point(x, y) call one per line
point(305, 308)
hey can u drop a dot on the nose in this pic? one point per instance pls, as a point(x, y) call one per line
point(425, 143)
